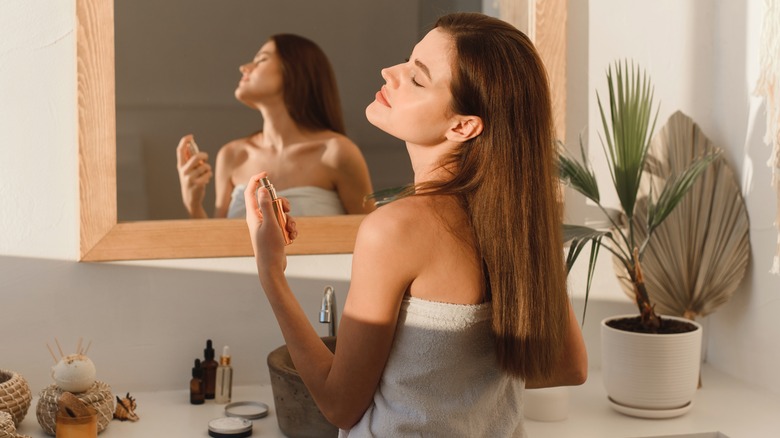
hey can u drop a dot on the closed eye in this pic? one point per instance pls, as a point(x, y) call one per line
point(414, 81)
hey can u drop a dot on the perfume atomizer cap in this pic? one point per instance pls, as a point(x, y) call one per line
point(267, 184)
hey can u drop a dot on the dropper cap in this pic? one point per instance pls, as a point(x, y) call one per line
point(197, 371)
point(225, 358)
point(208, 352)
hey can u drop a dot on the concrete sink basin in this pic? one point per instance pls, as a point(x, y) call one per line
point(296, 412)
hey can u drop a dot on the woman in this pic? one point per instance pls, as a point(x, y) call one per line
point(302, 145)
point(458, 293)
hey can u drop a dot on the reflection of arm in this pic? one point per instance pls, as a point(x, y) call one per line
point(353, 182)
point(572, 369)
point(194, 175)
point(343, 384)
point(223, 183)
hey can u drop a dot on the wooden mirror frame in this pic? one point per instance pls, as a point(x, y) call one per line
point(102, 238)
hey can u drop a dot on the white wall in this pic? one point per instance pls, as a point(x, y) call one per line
point(703, 58)
point(147, 322)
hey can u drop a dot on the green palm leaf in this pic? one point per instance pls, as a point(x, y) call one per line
point(628, 139)
point(578, 237)
point(579, 176)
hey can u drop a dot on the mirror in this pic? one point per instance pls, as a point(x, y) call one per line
point(176, 74)
point(103, 237)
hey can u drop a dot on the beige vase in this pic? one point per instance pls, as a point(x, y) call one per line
point(650, 375)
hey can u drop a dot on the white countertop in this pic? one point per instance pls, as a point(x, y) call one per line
point(169, 414)
point(723, 404)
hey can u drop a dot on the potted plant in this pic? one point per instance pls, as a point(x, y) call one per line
point(650, 362)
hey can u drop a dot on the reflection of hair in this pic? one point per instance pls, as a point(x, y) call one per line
point(507, 179)
point(310, 91)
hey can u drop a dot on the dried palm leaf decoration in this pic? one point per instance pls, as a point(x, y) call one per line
point(698, 256)
point(768, 87)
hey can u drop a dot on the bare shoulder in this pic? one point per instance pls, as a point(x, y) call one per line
point(341, 151)
point(392, 243)
point(339, 142)
point(408, 223)
point(235, 147)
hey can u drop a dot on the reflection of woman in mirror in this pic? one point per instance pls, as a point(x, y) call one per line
point(458, 298)
point(302, 145)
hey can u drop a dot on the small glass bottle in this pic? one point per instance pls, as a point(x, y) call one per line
point(209, 370)
point(197, 386)
point(224, 383)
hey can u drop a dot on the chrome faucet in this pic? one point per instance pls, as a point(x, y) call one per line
point(328, 311)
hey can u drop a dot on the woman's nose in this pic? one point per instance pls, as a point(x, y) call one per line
point(389, 75)
point(245, 68)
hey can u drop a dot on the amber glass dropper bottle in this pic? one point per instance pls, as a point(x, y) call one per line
point(209, 370)
point(197, 388)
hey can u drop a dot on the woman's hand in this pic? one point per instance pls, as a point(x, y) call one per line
point(194, 175)
point(264, 229)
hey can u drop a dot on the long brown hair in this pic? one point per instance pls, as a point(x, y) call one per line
point(309, 84)
point(507, 180)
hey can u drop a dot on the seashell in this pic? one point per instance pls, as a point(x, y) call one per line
point(74, 373)
point(125, 409)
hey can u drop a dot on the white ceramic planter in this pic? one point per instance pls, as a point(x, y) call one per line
point(648, 375)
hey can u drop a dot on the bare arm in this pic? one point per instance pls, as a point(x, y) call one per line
point(194, 175)
point(572, 368)
point(342, 384)
point(223, 183)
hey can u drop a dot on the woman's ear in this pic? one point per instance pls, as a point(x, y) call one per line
point(465, 128)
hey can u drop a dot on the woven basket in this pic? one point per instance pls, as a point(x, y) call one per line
point(7, 427)
point(15, 396)
point(99, 397)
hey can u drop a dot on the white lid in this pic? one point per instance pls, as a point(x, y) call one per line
point(247, 409)
point(230, 425)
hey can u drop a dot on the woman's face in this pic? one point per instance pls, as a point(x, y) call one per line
point(261, 79)
point(414, 104)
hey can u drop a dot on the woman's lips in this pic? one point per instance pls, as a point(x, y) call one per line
point(380, 97)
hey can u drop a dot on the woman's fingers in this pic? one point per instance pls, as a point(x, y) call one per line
point(204, 175)
point(285, 204)
point(250, 195)
point(182, 150)
point(292, 228)
point(259, 205)
point(196, 173)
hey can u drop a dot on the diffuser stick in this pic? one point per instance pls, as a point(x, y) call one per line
point(59, 347)
point(52, 353)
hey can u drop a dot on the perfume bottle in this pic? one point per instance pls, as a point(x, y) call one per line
point(192, 148)
point(224, 389)
point(280, 216)
point(209, 370)
point(197, 388)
